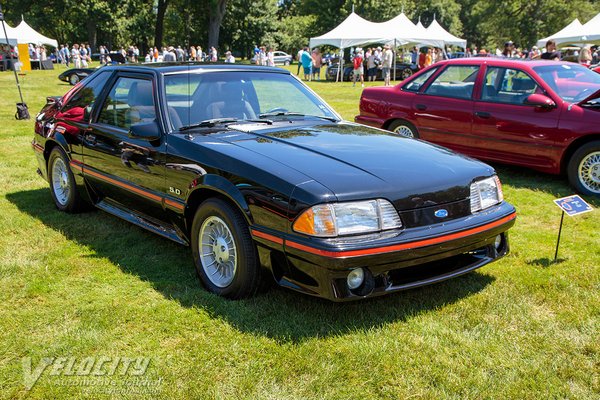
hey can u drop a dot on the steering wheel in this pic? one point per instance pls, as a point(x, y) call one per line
point(584, 93)
point(277, 109)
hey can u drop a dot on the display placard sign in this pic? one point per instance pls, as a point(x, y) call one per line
point(573, 205)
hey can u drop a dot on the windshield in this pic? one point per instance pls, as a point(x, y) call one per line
point(194, 97)
point(572, 83)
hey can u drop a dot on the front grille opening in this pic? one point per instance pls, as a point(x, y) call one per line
point(433, 269)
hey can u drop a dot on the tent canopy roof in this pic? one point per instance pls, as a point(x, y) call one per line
point(573, 29)
point(573, 34)
point(355, 31)
point(26, 34)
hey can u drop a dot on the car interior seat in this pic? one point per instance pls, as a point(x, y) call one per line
point(229, 102)
point(141, 103)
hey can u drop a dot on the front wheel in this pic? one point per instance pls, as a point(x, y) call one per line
point(62, 182)
point(584, 169)
point(406, 72)
point(404, 128)
point(224, 253)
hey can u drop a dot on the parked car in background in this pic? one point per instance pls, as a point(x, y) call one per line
point(268, 187)
point(282, 58)
point(403, 71)
point(74, 75)
point(536, 114)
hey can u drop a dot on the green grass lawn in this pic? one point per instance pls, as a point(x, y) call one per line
point(91, 285)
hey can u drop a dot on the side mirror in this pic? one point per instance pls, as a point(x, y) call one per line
point(539, 101)
point(145, 131)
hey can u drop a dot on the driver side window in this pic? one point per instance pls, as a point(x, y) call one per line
point(510, 86)
point(130, 101)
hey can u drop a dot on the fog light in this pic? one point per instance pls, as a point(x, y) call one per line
point(498, 242)
point(355, 278)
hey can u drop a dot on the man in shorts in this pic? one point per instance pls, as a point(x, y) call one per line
point(359, 69)
point(307, 63)
point(386, 64)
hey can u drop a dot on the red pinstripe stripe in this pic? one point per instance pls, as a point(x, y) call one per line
point(37, 147)
point(124, 185)
point(263, 235)
point(403, 246)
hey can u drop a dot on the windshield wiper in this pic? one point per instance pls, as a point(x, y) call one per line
point(296, 114)
point(209, 123)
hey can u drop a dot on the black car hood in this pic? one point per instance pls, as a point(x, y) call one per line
point(358, 162)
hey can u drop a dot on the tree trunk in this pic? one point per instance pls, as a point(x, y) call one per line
point(216, 14)
point(92, 32)
point(160, 21)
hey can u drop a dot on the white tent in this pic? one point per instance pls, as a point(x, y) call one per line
point(10, 31)
point(401, 30)
point(589, 33)
point(571, 30)
point(26, 34)
point(439, 37)
point(353, 31)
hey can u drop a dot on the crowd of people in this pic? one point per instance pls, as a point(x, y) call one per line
point(310, 62)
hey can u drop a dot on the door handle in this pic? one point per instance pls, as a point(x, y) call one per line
point(421, 107)
point(482, 114)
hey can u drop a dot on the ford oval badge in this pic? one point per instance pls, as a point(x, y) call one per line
point(441, 213)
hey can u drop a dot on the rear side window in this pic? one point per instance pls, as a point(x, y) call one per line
point(85, 97)
point(416, 84)
point(456, 81)
point(130, 101)
point(506, 85)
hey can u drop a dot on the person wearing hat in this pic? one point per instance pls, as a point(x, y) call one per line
point(509, 48)
point(359, 69)
point(229, 59)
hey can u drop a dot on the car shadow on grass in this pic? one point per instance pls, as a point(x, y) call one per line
point(525, 178)
point(279, 314)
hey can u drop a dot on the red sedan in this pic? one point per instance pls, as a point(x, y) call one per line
point(538, 114)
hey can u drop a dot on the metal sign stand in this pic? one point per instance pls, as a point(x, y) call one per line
point(562, 217)
point(571, 205)
point(23, 105)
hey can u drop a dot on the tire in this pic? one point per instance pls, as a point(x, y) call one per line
point(583, 169)
point(286, 63)
point(404, 128)
point(74, 79)
point(227, 264)
point(406, 72)
point(62, 183)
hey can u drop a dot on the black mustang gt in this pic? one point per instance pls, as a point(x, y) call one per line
point(264, 180)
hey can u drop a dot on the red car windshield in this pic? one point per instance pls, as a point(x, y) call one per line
point(573, 83)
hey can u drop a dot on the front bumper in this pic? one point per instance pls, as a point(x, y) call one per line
point(397, 261)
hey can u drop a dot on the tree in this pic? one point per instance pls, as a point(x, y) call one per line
point(216, 12)
point(160, 19)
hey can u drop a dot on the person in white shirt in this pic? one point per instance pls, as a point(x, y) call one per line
point(386, 65)
point(229, 58)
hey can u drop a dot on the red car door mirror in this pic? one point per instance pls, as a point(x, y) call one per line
point(539, 101)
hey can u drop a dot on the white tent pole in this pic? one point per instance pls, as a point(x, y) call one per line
point(395, 56)
point(339, 71)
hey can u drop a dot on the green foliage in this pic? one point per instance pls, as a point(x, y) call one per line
point(288, 24)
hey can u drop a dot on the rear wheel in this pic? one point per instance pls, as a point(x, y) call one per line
point(62, 182)
point(224, 253)
point(584, 169)
point(286, 63)
point(404, 128)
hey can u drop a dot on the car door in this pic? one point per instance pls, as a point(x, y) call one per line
point(508, 129)
point(73, 117)
point(125, 170)
point(443, 111)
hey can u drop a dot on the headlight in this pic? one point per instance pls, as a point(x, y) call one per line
point(486, 193)
point(330, 220)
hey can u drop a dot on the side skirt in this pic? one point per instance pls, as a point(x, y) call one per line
point(148, 223)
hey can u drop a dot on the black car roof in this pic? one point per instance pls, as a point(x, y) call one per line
point(174, 67)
